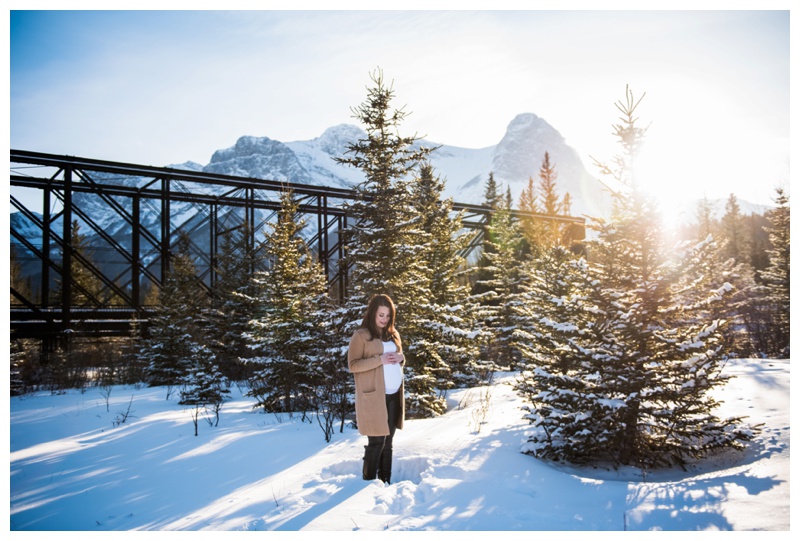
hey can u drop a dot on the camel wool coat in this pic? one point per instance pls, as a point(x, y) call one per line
point(364, 361)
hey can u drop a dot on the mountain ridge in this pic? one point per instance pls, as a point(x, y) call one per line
point(513, 160)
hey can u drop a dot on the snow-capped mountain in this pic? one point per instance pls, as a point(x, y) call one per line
point(317, 156)
point(515, 159)
point(258, 157)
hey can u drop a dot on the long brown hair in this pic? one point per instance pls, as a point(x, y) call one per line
point(388, 332)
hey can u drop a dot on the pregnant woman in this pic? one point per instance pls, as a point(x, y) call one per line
point(375, 357)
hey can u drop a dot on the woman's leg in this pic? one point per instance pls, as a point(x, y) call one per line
point(372, 456)
point(385, 464)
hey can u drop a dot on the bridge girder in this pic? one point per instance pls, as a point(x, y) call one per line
point(151, 207)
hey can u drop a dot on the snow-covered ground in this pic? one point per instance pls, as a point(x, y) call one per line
point(75, 467)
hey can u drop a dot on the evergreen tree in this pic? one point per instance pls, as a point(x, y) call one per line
point(385, 254)
point(234, 300)
point(566, 204)
point(737, 307)
point(330, 377)
point(16, 383)
point(503, 276)
point(204, 386)
point(133, 369)
point(86, 288)
point(706, 223)
point(552, 203)
point(283, 334)
point(173, 335)
point(776, 276)
point(631, 345)
point(491, 193)
point(483, 275)
point(531, 228)
point(552, 276)
point(756, 231)
point(380, 231)
point(446, 334)
point(734, 231)
point(741, 238)
point(509, 201)
point(528, 200)
point(541, 232)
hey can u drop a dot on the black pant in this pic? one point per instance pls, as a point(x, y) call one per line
point(378, 451)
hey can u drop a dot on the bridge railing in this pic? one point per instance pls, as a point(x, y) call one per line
point(117, 223)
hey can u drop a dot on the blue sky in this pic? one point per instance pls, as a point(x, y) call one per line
point(164, 87)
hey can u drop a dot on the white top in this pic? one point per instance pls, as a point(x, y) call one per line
point(392, 373)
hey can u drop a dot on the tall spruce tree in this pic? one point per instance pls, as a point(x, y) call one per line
point(284, 333)
point(776, 276)
point(552, 275)
point(631, 347)
point(491, 192)
point(378, 222)
point(529, 199)
point(384, 251)
point(549, 257)
point(447, 334)
point(734, 231)
point(553, 204)
point(508, 202)
point(234, 300)
point(501, 281)
point(173, 339)
point(493, 199)
point(739, 307)
point(566, 204)
point(541, 232)
point(530, 227)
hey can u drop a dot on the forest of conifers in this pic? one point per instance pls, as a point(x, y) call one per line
point(616, 338)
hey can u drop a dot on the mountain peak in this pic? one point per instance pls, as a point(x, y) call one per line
point(258, 157)
point(521, 151)
point(336, 139)
point(528, 126)
point(524, 118)
point(246, 145)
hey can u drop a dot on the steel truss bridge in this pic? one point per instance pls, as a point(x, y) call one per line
point(132, 216)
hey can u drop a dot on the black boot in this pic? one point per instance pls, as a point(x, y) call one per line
point(372, 456)
point(385, 466)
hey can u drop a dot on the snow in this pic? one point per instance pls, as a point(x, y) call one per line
point(75, 466)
